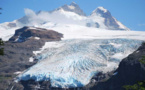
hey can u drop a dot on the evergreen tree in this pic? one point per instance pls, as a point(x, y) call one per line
point(1, 48)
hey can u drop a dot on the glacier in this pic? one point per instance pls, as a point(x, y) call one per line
point(73, 62)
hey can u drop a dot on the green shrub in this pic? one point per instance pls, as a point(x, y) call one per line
point(138, 86)
point(1, 42)
point(142, 60)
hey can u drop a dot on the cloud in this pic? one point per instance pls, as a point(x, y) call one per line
point(29, 12)
point(141, 24)
point(58, 16)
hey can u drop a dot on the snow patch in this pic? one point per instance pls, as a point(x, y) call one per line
point(103, 9)
point(49, 45)
point(18, 72)
point(137, 51)
point(31, 59)
point(71, 7)
point(37, 38)
point(118, 56)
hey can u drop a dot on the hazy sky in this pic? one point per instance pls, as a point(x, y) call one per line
point(130, 12)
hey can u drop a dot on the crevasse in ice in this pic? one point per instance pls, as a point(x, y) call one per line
point(74, 62)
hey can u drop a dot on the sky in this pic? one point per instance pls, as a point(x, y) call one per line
point(129, 12)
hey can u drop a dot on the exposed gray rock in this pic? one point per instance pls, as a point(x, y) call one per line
point(17, 54)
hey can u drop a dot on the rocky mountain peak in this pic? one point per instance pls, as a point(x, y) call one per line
point(100, 11)
point(73, 7)
point(74, 4)
point(109, 21)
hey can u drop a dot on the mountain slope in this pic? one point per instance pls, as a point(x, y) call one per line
point(131, 71)
point(71, 14)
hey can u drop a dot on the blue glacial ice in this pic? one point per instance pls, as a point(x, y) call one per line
point(75, 62)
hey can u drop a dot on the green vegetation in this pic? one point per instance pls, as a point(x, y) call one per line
point(1, 49)
point(5, 77)
point(138, 86)
point(142, 60)
point(1, 42)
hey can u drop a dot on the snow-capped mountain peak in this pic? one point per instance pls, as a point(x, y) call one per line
point(66, 15)
point(106, 19)
point(100, 10)
point(74, 4)
point(103, 9)
point(73, 7)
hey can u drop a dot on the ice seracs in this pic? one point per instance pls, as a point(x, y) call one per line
point(73, 62)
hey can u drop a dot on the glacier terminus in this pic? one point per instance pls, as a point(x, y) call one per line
point(72, 63)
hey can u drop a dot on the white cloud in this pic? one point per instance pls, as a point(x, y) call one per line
point(29, 12)
point(59, 16)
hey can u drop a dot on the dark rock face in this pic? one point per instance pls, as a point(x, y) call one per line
point(17, 54)
point(24, 33)
point(33, 85)
point(42, 85)
point(130, 71)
